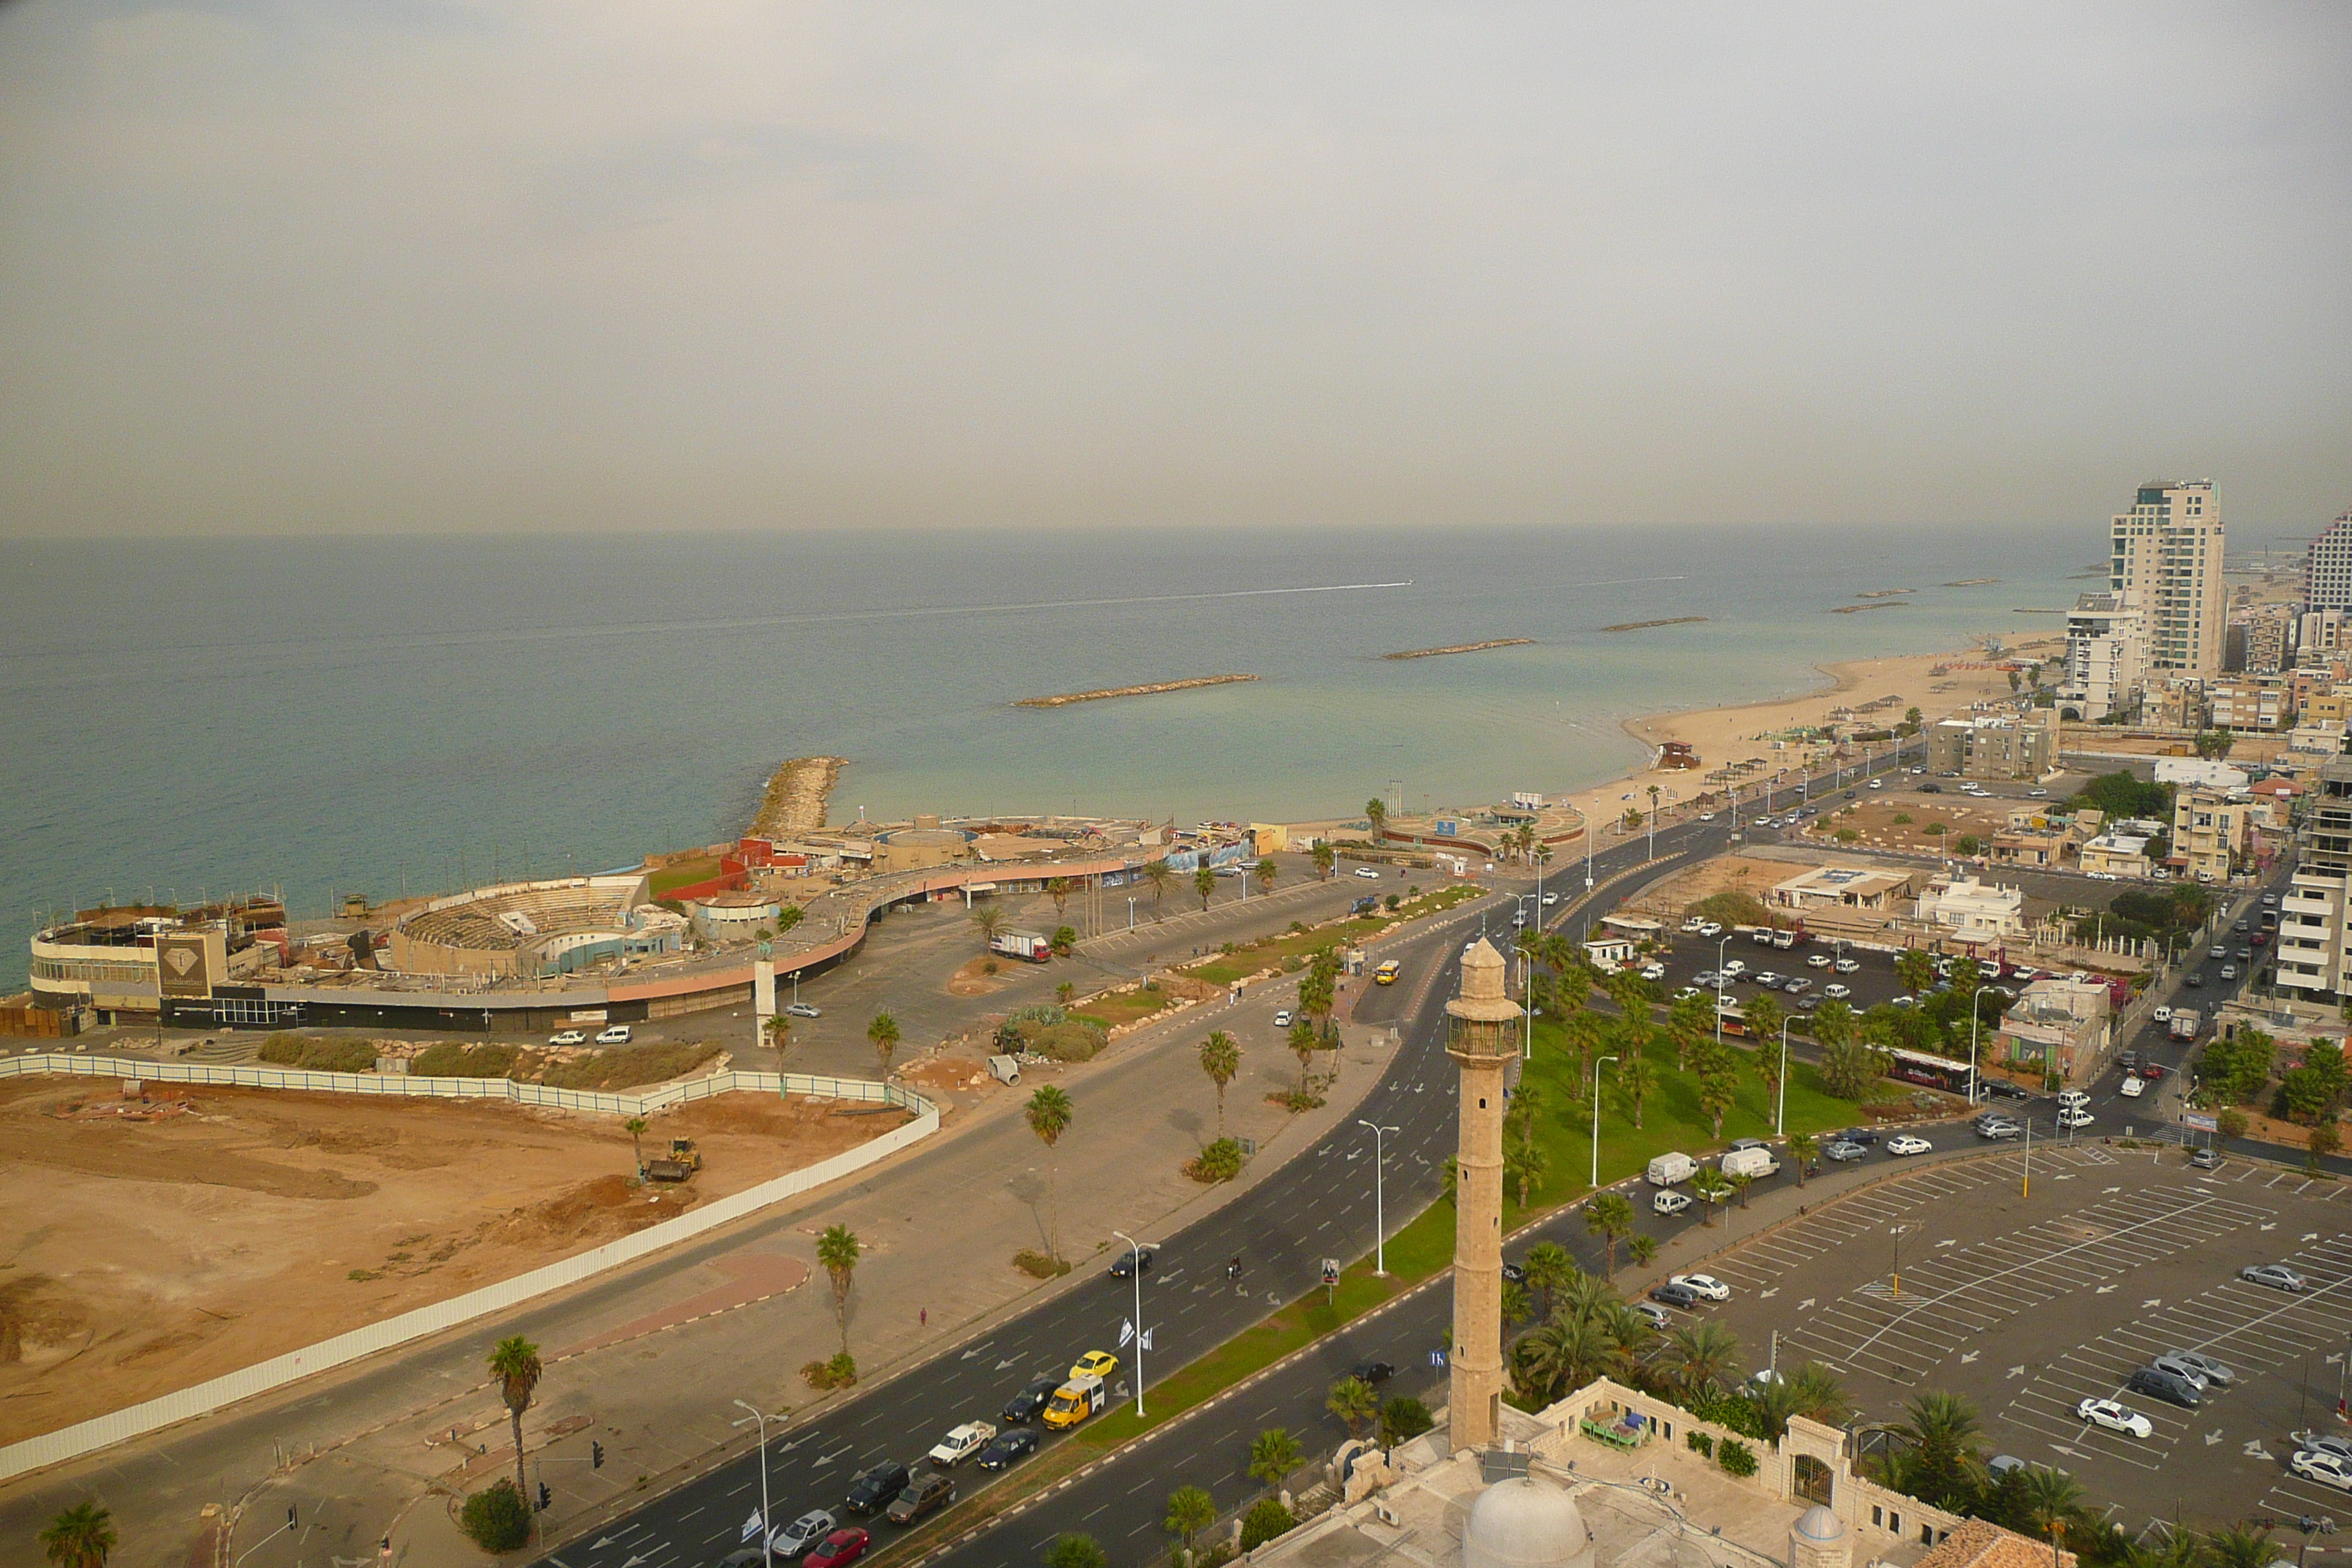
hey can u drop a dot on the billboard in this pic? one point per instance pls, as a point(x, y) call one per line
point(183, 964)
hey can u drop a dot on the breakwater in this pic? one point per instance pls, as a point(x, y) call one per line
point(795, 797)
point(1645, 626)
point(1461, 647)
point(1065, 698)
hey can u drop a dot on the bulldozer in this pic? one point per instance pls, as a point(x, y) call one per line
point(684, 1160)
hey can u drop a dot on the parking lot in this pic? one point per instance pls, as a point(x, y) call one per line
point(1952, 1277)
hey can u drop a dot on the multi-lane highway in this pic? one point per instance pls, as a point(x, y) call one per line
point(1319, 1205)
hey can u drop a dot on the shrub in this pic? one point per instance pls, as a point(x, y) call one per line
point(1737, 1457)
point(450, 1059)
point(627, 1069)
point(1265, 1519)
point(988, 966)
point(1935, 830)
point(1730, 909)
point(1969, 844)
point(1699, 1443)
point(841, 1372)
point(1902, 819)
point(1847, 835)
point(1075, 1041)
point(1074, 1551)
point(1031, 1261)
point(2232, 1123)
point(1402, 1419)
point(495, 1518)
point(1220, 1161)
point(284, 1050)
point(1064, 939)
point(1392, 901)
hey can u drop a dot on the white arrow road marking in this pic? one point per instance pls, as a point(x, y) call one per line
point(2065, 1450)
point(631, 1562)
point(2063, 1177)
point(827, 1459)
point(2254, 1449)
point(2331, 1361)
point(2214, 1436)
point(1008, 1360)
point(1949, 1241)
point(972, 1352)
point(2017, 1372)
point(2311, 1236)
point(1805, 1303)
point(1762, 1295)
point(2153, 1301)
point(601, 1543)
point(1968, 1357)
point(2102, 1289)
point(2105, 1191)
point(2271, 1225)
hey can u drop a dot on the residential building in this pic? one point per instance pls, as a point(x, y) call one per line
point(1958, 908)
point(1995, 745)
point(2117, 855)
point(2311, 939)
point(2251, 702)
point(2165, 556)
point(2201, 772)
point(2107, 655)
point(2213, 831)
point(2057, 1025)
point(2327, 570)
point(2178, 704)
point(2039, 847)
point(2269, 637)
point(1848, 887)
point(2320, 632)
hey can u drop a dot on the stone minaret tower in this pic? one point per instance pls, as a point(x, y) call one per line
point(1481, 1037)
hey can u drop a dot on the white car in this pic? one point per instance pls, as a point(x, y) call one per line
point(962, 1444)
point(1688, 991)
point(1847, 965)
point(2072, 1117)
point(2072, 1098)
point(1710, 929)
point(1705, 1285)
point(2162, 1015)
point(2115, 1417)
point(804, 1010)
point(2327, 1469)
point(618, 1035)
point(1653, 971)
point(1691, 926)
point(1368, 874)
point(1550, 899)
point(1281, 1018)
point(1909, 1143)
point(795, 1539)
point(1670, 1202)
point(1818, 960)
point(2133, 1087)
point(1735, 968)
point(567, 1038)
point(1837, 992)
point(1706, 816)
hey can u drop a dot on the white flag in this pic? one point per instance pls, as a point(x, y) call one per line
point(1126, 1332)
point(751, 1525)
point(1146, 1339)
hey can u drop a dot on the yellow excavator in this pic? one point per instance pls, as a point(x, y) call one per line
point(684, 1160)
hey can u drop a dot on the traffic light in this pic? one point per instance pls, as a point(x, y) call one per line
point(545, 1496)
point(595, 1456)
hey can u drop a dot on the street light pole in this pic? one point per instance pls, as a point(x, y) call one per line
point(1780, 1105)
point(761, 1417)
point(1380, 1221)
point(1973, 1017)
point(1135, 1254)
point(1719, 986)
point(1596, 1121)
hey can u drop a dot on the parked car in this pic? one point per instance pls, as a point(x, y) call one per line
point(1007, 1447)
point(2276, 1276)
point(2327, 1469)
point(803, 1010)
point(872, 1491)
point(1846, 965)
point(839, 1550)
point(618, 1035)
point(2163, 1385)
point(2181, 1367)
point(567, 1038)
point(927, 1493)
point(792, 1539)
point(2115, 1417)
point(1842, 1151)
point(1909, 1143)
point(1819, 960)
point(1672, 1295)
point(1368, 873)
point(1030, 1402)
point(2205, 1160)
point(1657, 1317)
point(1837, 992)
point(1705, 1285)
point(1670, 1202)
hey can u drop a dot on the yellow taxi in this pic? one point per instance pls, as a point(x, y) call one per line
point(1095, 1363)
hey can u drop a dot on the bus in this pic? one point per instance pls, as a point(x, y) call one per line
point(1935, 1072)
point(1385, 972)
point(1733, 1023)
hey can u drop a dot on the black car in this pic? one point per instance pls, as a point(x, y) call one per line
point(1371, 1371)
point(1865, 1136)
point(1672, 1295)
point(1030, 1402)
point(1128, 1262)
point(2163, 1385)
point(1017, 1444)
point(1514, 1273)
point(1931, 787)
point(2000, 1088)
point(873, 1492)
point(2193, 981)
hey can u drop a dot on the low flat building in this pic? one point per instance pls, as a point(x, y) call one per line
point(2041, 848)
point(2058, 1023)
point(2121, 854)
point(1995, 745)
point(1962, 909)
point(1846, 887)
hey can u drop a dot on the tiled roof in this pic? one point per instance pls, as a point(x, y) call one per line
point(1976, 1545)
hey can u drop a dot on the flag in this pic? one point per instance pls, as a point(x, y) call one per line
point(1146, 1339)
point(1126, 1332)
point(751, 1525)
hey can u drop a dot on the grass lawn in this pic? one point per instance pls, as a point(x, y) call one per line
point(1124, 1008)
point(684, 874)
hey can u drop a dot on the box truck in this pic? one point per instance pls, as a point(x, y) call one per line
point(2184, 1023)
point(1024, 944)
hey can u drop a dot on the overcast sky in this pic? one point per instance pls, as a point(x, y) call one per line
point(404, 265)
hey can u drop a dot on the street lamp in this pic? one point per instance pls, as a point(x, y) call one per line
point(1896, 1232)
point(1135, 1253)
point(762, 1417)
point(1596, 1121)
point(1973, 1016)
point(1780, 1106)
point(1718, 985)
point(1380, 1222)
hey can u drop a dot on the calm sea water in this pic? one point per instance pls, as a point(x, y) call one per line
point(396, 715)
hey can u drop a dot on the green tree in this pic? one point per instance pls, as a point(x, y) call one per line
point(1325, 858)
point(1049, 1113)
point(1402, 1419)
point(514, 1362)
point(1058, 889)
point(1914, 969)
point(1849, 1069)
point(1609, 1216)
point(1157, 873)
point(1832, 1022)
point(1302, 1043)
point(1764, 1015)
point(1354, 1403)
point(1376, 812)
point(1205, 883)
point(989, 920)
point(1803, 1148)
point(1072, 1550)
point(1640, 1250)
point(882, 1034)
point(1274, 1454)
point(1266, 1520)
point(1943, 1434)
point(1549, 1270)
point(495, 1518)
point(1820, 1396)
point(837, 1254)
point(1709, 1185)
point(1190, 1511)
point(779, 1028)
point(634, 1127)
point(2214, 743)
point(1688, 1021)
point(1523, 1167)
point(2049, 1496)
point(2324, 1138)
point(1717, 1093)
point(80, 1537)
point(1561, 1354)
point(1637, 1074)
point(2240, 1546)
point(1221, 1059)
point(1266, 872)
point(1698, 1358)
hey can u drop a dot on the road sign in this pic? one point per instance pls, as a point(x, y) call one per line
point(2200, 1122)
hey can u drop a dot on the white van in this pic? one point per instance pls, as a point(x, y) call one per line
point(1671, 1202)
point(1751, 1163)
point(1669, 1170)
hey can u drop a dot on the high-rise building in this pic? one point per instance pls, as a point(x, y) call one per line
point(1481, 1037)
point(2166, 558)
point(2327, 571)
point(2312, 961)
point(2107, 654)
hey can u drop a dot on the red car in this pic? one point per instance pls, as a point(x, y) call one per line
point(2150, 1070)
point(842, 1546)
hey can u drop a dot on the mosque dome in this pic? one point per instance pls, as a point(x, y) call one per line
point(1526, 1522)
point(1820, 1540)
point(1820, 1526)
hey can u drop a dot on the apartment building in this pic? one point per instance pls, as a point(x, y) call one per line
point(2267, 634)
point(2318, 634)
point(2311, 939)
point(2327, 570)
point(2251, 702)
point(1995, 745)
point(2213, 830)
point(2165, 556)
point(2106, 654)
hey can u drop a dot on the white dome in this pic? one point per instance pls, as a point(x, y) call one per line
point(1820, 1526)
point(1524, 1523)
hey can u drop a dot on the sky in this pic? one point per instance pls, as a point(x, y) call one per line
point(408, 266)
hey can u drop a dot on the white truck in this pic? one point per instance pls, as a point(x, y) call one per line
point(1754, 1164)
point(1670, 1169)
point(1031, 946)
point(2183, 1024)
point(962, 1444)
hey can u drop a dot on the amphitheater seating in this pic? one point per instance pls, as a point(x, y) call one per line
point(555, 911)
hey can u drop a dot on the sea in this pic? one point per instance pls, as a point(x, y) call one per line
point(387, 716)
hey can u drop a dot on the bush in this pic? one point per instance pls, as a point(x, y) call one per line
point(1699, 1443)
point(1220, 1161)
point(1737, 1457)
point(1935, 830)
point(1902, 819)
point(1074, 1551)
point(841, 1372)
point(1402, 1419)
point(1847, 836)
point(495, 1518)
point(450, 1059)
point(1969, 844)
point(1730, 909)
point(1265, 1519)
point(1075, 1041)
point(628, 1069)
point(309, 1055)
point(2232, 1123)
point(1031, 1261)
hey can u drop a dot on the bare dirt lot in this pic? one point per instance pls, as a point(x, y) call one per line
point(145, 1245)
point(1900, 820)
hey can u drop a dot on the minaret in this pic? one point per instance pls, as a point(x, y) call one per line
point(1482, 1039)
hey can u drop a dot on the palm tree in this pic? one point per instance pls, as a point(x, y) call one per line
point(1205, 883)
point(1549, 1269)
point(1609, 1216)
point(836, 1253)
point(1049, 1113)
point(1637, 1074)
point(1820, 1396)
point(1058, 889)
point(1376, 811)
point(1698, 1357)
point(1802, 1147)
point(1689, 1019)
point(1302, 1045)
point(1833, 1022)
point(2049, 1495)
point(1942, 1432)
point(1564, 1354)
point(1190, 1511)
point(1914, 968)
point(80, 1537)
point(1354, 1403)
point(883, 1035)
point(779, 1030)
point(1157, 873)
point(1523, 1167)
point(1717, 1092)
point(1709, 1185)
point(1072, 1550)
point(988, 919)
point(1221, 1059)
point(1640, 1250)
point(634, 1127)
point(2240, 1546)
point(514, 1362)
point(1266, 872)
point(1325, 859)
point(1764, 1017)
point(1274, 1454)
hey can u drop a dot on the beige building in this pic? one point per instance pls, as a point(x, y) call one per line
point(1962, 909)
point(2251, 702)
point(2165, 556)
point(1995, 746)
point(2213, 831)
point(1841, 887)
point(2123, 855)
point(2057, 1023)
point(2107, 655)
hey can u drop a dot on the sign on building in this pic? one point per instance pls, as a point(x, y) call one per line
point(183, 964)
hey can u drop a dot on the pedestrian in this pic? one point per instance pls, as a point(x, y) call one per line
point(926, 1317)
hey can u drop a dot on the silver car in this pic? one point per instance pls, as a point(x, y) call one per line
point(2277, 1276)
point(796, 1538)
point(2211, 1370)
point(2194, 1376)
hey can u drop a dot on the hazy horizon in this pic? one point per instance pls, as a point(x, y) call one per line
point(527, 268)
